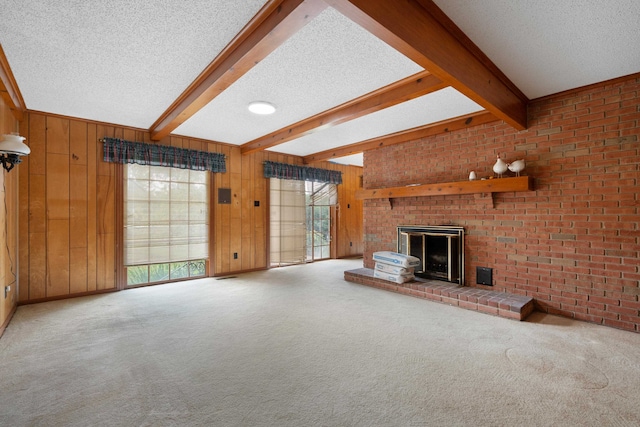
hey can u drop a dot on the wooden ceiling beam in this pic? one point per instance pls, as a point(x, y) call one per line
point(9, 88)
point(273, 25)
point(432, 129)
point(422, 32)
point(401, 91)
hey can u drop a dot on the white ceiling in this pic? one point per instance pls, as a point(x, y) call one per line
point(118, 61)
point(126, 61)
point(549, 46)
point(315, 64)
point(437, 106)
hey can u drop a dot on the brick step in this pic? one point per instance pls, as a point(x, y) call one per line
point(492, 302)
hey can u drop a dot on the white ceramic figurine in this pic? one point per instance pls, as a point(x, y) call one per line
point(516, 167)
point(500, 167)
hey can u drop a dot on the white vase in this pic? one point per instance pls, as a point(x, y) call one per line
point(472, 176)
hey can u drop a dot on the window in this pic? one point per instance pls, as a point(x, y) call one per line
point(300, 220)
point(166, 223)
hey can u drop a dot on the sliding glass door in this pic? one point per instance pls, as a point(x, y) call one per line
point(300, 221)
point(287, 222)
point(319, 197)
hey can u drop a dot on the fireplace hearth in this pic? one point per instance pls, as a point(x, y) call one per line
point(439, 248)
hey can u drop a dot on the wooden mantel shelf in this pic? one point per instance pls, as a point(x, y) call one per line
point(496, 185)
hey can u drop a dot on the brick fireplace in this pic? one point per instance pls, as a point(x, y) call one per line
point(573, 243)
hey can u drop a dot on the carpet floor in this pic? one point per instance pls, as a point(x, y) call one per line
point(299, 346)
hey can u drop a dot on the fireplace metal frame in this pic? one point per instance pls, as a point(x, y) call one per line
point(451, 232)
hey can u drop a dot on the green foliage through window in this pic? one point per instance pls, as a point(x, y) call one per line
point(154, 273)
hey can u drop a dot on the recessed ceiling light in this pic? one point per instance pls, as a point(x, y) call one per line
point(262, 107)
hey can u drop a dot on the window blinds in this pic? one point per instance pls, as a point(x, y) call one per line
point(322, 194)
point(288, 244)
point(166, 215)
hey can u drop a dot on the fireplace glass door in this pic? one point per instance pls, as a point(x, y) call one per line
point(413, 244)
point(440, 250)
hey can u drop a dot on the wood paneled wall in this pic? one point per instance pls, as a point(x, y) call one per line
point(8, 225)
point(67, 197)
point(69, 200)
point(349, 217)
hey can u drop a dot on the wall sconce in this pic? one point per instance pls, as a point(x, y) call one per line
point(11, 149)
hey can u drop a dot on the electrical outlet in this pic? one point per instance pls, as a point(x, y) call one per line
point(235, 255)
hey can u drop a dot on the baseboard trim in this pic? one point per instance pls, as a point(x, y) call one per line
point(6, 322)
point(60, 297)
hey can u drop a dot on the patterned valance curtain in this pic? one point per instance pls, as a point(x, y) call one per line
point(121, 151)
point(301, 173)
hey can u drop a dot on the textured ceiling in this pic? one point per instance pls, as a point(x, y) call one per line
point(549, 46)
point(117, 61)
point(328, 62)
point(126, 61)
point(437, 106)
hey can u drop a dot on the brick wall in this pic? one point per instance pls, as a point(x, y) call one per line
point(573, 244)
